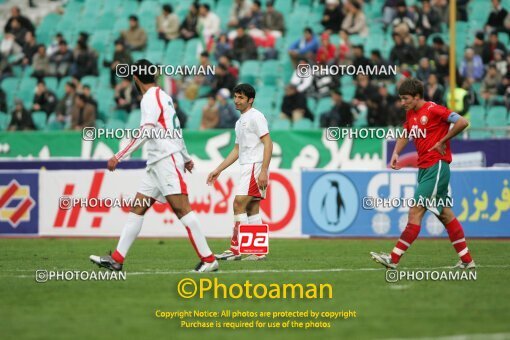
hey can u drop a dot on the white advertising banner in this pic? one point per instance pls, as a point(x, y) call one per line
point(213, 204)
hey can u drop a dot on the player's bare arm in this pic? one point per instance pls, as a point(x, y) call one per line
point(268, 151)
point(112, 163)
point(460, 125)
point(228, 161)
point(399, 146)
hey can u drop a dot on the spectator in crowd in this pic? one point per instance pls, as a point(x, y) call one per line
point(355, 20)
point(210, 115)
point(125, 95)
point(134, 37)
point(496, 19)
point(227, 61)
point(84, 61)
point(21, 118)
point(223, 79)
point(239, 13)
point(44, 99)
point(404, 23)
point(443, 69)
point(490, 83)
point(402, 52)
point(64, 106)
point(434, 92)
point(254, 21)
point(323, 84)
point(429, 20)
point(294, 105)
point(61, 60)
point(340, 114)
point(492, 45)
point(181, 115)
point(121, 55)
point(22, 20)
point(54, 45)
point(88, 96)
point(222, 46)
point(208, 22)
point(359, 58)
point(327, 52)
point(207, 79)
point(305, 47)
point(83, 114)
point(226, 111)
point(377, 59)
point(243, 46)
point(10, 49)
point(379, 106)
point(18, 31)
point(29, 48)
point(364, 91)
point(389, 11)
point(478, 43)
point(188, 28)
point(504, 90)
point(273, 21)
point(167, 24)
point(344, 49)
point(439, 47)
point(40, 63)
point(332, 17)
point(443, 8)
point(501, 63)
point(424, 50)
point(3, 101)
point(424, 70)
point(472, 66)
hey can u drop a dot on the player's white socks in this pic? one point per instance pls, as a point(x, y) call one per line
point(128, 236)
point(238, 220)
point(192, 225)
point(255, 219)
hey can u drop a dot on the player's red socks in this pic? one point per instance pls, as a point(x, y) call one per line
point(407, 238)
point(456, 234)
point(117, 257)
point(234, 242)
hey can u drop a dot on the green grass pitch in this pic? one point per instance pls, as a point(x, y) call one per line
point(125, 309)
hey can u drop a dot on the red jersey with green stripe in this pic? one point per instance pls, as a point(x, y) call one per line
point(158, 113)
point(432, 119)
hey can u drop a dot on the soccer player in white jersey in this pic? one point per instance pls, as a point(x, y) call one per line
point(163, 180)
point(253, 147)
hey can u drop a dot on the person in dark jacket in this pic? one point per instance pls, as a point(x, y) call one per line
point(340, 114)
point(44, 99)
point(294, 105)
point(21, 118)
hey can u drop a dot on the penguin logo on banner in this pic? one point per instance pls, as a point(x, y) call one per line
point(333, 202)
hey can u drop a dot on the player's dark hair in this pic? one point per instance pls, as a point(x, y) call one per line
point(308, 30)
point(411, 87)
point(245, 89)
point(168, 8)
point(142, 73)
point(133, 17)
point(206, 6)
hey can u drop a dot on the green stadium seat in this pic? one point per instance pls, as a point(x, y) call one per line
point(270, 72)
point(133, 121)
point(348, 92)
point(302, 124)
point(249, 71)
point(324, 104)
point(5, 119)
point(497, 117)
point(479, 134)
point(198, 105)
point(10, 84)
point(100, 124)
point(39, 118)
point(91, 81)
point(114, 124)
point(280, 124)
point(52, 124)
point(120, 115)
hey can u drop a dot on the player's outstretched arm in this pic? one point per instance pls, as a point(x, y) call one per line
point(399, 146)
point(228, 161)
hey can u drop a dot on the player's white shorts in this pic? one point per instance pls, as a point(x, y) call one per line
point(248, 181)
point(163, 178)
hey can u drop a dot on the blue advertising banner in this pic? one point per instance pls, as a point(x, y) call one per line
point(336, 204)
point(19, 208)
point(465, 153)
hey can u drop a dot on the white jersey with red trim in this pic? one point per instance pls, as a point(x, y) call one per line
point(250, 128)
point(157, 112)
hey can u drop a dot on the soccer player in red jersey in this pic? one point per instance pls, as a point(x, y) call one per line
point(434, 157)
